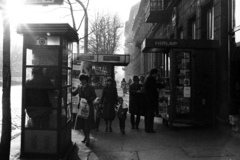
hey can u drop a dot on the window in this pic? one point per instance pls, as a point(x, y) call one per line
point(235, 12)
point(207, 22)
point(180, 33)
point(192, 34)
point(210, 23)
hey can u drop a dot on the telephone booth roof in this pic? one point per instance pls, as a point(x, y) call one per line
point(52, 29)
point(158, 45)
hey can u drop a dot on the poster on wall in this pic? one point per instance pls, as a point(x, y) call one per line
point(187, 92)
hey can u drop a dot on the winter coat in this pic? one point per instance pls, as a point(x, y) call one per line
point(136, 99)
point(151, 90)
point(122, 110)
point(109, 100)
point(89, 94)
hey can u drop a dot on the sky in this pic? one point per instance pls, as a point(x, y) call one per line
point(20, 13)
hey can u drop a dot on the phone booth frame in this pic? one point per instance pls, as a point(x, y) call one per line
point(47, 48)
point(189, 97)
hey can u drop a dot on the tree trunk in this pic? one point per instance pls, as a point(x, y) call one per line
point(5, 144)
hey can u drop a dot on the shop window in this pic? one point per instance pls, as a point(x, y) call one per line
point(235, 20)
point(180, 33)
point(235, 5)
point(208, 21)
point(192, 33)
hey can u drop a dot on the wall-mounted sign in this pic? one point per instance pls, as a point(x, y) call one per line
point(115, 58)
point(111, 58)
point(43, 2)
point(87, 57)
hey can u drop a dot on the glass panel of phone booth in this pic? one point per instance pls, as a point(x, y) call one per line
point(69, 77)
point(40, 99)
point(183, 84)
point(70, 58)
point(42, 56)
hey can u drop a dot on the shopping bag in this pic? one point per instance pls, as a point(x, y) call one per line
point(83, 110)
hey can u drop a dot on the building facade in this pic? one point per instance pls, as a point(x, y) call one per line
point(191, 20)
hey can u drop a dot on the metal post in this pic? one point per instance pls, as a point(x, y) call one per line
point(85, 29)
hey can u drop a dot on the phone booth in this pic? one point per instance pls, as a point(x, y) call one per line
point(188, 69)
point(46, 90)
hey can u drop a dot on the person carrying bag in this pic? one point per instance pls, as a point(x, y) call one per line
point(83, 110)
point(85, 116)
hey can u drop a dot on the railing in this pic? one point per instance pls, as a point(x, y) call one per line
point(153, 5)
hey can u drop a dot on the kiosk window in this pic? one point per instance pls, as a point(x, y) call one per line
point(183, 82)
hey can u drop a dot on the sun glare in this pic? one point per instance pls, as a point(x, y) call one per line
point(18, 12)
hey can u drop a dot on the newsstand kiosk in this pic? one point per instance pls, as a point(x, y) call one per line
point(101, 66)
point(188, 67)
point(46, 90)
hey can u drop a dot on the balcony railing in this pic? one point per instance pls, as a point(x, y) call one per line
point(155, 11)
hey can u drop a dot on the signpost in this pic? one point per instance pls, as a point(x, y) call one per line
point(43, 2)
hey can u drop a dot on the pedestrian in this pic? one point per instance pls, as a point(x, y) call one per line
point(99, 113)
point(141, 80)
point(122, 109)
point(130, 81)
point(151, 90)
point(134, 102)
point(109, 101)
point(86, 91)
point(38, 103)
point(124, 86)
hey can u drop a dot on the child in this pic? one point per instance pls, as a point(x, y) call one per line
point(122, 109)
point(99, 110)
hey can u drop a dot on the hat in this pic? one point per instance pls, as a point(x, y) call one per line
point(135, 78)
point(83, 76)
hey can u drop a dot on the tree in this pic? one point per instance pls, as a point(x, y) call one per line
point(5, 144)
point(106, 33)
point(71, 7)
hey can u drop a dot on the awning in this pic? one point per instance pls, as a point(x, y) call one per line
point(159, 45)
point(115, 59)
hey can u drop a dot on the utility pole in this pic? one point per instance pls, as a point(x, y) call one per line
point(5, 143)
point(85, 28)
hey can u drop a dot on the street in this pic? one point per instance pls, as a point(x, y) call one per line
point(182, 142)
point(16, 103)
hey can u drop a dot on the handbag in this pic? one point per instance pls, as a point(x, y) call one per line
point(83, 110)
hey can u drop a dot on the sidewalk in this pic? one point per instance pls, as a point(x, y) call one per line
point(80, 152)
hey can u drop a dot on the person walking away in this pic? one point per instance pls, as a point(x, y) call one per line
point(151, 89)
point(124, 86)
point(86, 91)
point(122, 109)
point(108, 101)
point(134, 102)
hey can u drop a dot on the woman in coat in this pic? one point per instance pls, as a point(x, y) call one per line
point(108, 101)
point(86, 91)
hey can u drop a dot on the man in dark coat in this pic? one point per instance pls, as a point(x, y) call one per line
point(151, 87)
point(134, 102)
